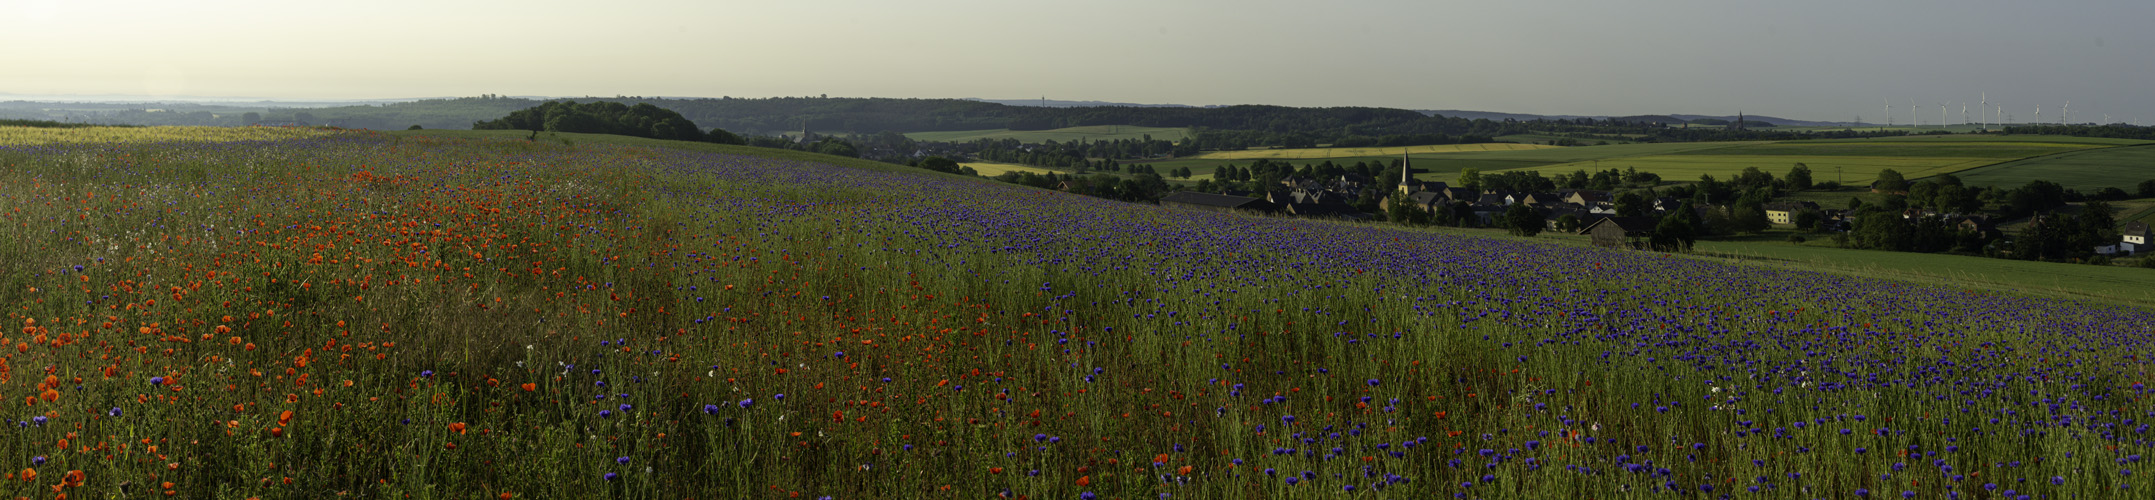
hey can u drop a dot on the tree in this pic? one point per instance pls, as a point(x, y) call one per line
point(1630, 204)
point(1807, 220)
point(1751, 218)
point(414, 126)
point(939, 164)
point(1569, 223)
point(1890, 181)
point(1752, 178)
point(1799, 178)
point(2096, 227)
point(1471, 179)
point(1523, 220)
point(1677, 231)
point(2147, 188)
point(253, 118)
point(1881, 230)
point(721, 136)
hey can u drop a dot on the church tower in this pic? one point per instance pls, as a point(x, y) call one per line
point(1406, 181)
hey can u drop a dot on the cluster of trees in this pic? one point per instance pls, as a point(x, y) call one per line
point(1055, 154)
point(1206, 139)
point(2114, 130)
point(1141, 188)
point(2061, 236)
point(641, 120)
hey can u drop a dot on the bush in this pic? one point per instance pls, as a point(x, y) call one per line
point(414, 126)
point(1796, 238)
point(2100, 260)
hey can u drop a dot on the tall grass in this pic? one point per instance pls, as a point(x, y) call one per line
point(456, 318)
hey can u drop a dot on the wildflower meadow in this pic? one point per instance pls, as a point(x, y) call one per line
point(289, 313)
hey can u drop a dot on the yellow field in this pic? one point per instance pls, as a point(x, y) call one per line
point(1847, 169)
point(995, 169)
point(30, 136)
point(1322, 153)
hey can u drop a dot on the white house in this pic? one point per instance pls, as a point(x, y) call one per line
point(2135, 239)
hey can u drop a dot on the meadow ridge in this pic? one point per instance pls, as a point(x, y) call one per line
point(387, 315)
point(1085, 133)
point(1327, 153)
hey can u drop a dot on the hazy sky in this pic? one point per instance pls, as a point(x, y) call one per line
point(1820, 60)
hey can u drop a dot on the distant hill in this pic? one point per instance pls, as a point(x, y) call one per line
point(1670, 119)
point(1784, 122)
point(1053, 103)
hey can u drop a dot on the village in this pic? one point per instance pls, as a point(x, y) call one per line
point(1616, 219)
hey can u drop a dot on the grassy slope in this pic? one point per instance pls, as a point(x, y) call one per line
point(2087, 170)
point(994, 169)
point(784, 154)
point(1329, 153)
point(2041, 279)
point(1852, 160)
point(2104, 284)
point(1090, 133)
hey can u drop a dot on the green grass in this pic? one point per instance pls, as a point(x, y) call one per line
point(2089, 170)
point(1853, 161)
point(459, 315)
point(571, 139)
point(1894, 149)
point(2107, 284)
point(1087, 133)
point(995, 169)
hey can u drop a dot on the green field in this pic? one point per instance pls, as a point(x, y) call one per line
point(988, 169)
point(1351, 152)
point(1845, 160)
point(2087, 171)
point(2105, 284)
point(2108, 284)
point(1091, 133)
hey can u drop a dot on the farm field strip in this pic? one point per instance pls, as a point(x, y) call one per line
point(469, 317)
point(1086, 133)
point(1849, 169)
point(2087, 170)
point(987, 169)
point(1329, 153)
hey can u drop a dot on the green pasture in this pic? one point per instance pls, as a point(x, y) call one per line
point(2087, 171)
point(1845, 160)
point(988, 169)
point(1989, 276)
point(1850, 169)
point(1088, 133)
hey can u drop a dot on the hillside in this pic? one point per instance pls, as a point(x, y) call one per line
point(468, 313)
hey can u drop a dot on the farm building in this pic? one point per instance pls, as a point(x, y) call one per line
point(1214, 202)
point(1620, 232)
point(1785, 212)
point(2135, 238)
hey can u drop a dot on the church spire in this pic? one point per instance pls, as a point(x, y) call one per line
point(1406, 165)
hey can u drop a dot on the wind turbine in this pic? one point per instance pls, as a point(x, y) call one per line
point(2062, 111)
point(1963, 113)
point(1889, 112)
point(1941, 115)
point(1985, 110)
point(2038, 113)
point(1912, 117)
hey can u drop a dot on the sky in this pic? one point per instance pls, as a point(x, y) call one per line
point(1825, 60)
